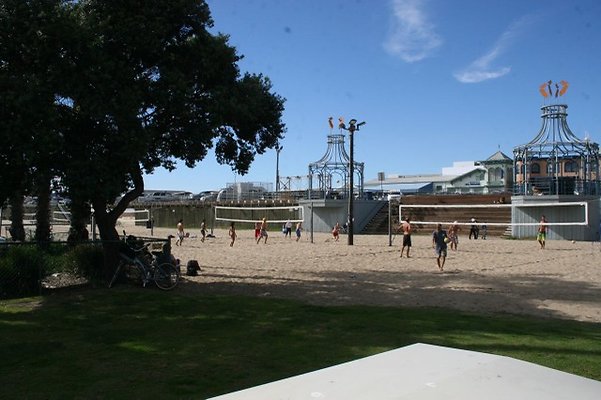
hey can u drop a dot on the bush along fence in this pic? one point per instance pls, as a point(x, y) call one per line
point(27, 269)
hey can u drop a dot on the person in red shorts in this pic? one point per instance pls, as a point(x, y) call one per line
point(336, 232)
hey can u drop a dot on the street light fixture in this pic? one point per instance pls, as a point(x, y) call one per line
point(352, 128)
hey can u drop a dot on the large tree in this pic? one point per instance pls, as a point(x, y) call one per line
point(30, 60)
point(150, 84)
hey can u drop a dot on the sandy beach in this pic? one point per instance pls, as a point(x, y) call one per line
point(485, 276)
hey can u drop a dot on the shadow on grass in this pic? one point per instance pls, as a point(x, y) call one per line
point(134, 343)
point(454, 289)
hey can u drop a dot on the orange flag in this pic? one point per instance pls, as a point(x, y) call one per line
point(543, 89)
point(564, 87)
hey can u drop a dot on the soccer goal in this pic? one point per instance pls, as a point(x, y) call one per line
point(522, 214)
point(254, 214)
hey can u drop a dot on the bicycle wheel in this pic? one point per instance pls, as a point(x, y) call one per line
point(166, 276)
point(115, 275)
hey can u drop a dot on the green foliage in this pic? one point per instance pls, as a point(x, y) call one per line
point(31, 59)
point(21, 268)
point(143, 343)
point(165, 89)
point(99, 93)
point(84, 260)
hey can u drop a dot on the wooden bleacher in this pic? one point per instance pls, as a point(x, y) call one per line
point(379, 224)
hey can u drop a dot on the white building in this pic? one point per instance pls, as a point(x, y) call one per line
point(489, 176)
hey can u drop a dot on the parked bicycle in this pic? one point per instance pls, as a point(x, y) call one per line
point(138, 263)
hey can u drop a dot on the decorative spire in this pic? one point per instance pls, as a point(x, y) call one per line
point(546, 90)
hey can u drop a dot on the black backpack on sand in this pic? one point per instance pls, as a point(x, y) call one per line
point(192, 268)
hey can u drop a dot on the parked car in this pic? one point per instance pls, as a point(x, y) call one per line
point(207, 195)
point(182, 195)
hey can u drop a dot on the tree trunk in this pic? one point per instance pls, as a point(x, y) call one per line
point(106, 221)
point(110, 241)
point(17, 230)
point(42, 231)
point(80, 215)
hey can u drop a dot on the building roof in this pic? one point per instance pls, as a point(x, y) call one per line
point(459, 170)
point(403, 187)
point(499, 156)
point(418, 179)
point(411, 179)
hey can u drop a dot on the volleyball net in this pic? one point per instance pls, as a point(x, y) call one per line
point(61, 217)
point(133, 217)
point(524, 214)
point(251, 215)
point(29, 219)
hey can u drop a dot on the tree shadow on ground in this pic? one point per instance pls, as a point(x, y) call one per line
point(454, 289)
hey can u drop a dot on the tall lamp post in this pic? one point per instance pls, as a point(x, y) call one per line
point(353, 126)
point(278, 148)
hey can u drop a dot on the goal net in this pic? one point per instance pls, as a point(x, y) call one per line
point(254, 214)
point(507, 215)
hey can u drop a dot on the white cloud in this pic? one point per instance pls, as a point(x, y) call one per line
point(412, 36)
point(482, 69)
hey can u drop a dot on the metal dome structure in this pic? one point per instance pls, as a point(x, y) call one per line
point(329, 176)
point(556, 161)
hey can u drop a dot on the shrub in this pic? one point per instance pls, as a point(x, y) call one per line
point(21, 269)
point(85, 260)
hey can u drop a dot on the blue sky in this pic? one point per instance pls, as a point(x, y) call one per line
point(436, 81)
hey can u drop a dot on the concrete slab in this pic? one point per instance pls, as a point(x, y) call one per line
point(422, 371)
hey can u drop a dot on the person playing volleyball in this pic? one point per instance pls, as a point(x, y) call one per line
point(203, 230)
point(180, 233)
point(232, 234)
point(257, 229)
point(454, 235)
point(439, 243)
point(336, 232)
point(406, 228)
point(542, 232)
point(263, 233)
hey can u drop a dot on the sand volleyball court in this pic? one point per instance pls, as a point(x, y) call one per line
point(491, 276)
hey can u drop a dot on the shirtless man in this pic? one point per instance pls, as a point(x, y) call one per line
point(542, 232)
point(180, 232)
point(406, 228)
point(453, 234)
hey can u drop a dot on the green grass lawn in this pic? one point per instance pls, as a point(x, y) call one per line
point(132, 343)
